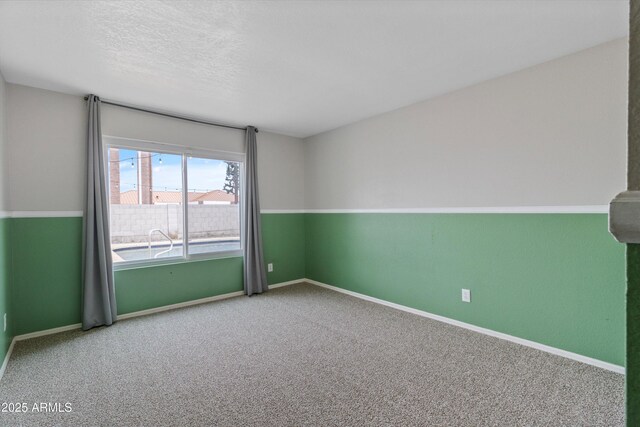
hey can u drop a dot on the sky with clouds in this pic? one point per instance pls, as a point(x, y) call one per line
point(203, 174)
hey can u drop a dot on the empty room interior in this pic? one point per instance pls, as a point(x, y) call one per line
point(328, 213)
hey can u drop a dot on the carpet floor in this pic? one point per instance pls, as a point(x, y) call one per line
point(296, 356)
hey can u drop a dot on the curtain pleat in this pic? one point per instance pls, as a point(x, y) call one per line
point(98, 298)
point(255, 275)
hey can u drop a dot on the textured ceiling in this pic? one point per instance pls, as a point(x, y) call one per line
point(292, 67)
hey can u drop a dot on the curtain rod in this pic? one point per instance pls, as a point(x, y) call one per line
point(173, 116)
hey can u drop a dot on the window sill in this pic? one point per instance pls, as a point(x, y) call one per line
point(130, 265)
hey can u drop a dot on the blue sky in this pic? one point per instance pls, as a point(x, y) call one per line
point(203, 174)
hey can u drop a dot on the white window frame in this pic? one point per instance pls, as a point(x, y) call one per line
point(185, 152)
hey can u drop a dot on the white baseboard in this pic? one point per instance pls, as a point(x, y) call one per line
point(289, 283)
point(5, 362)
point(532, 344)
point(131, 315)
point(179, 305)
point(558, 352)
point(198, 301)
point(47, 332)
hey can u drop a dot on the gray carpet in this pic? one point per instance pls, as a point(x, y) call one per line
point(301, 355)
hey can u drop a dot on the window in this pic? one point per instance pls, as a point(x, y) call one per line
point(160, 194)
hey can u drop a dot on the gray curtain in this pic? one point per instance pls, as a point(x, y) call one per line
point(99, 300)
point(255, 276)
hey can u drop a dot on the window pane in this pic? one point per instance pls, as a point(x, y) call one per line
point(145, 194)
point(214, 205)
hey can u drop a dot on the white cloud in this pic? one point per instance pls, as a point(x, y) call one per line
point(207, 175)
point(169, 176)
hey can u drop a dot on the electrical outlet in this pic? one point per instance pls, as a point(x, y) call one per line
point(466, 295)
point(270, 267)
point(5, 322)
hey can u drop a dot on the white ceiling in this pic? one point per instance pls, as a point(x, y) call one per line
point(292, 67)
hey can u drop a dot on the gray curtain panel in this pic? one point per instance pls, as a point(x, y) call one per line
point(99, 299)
point(255, 275)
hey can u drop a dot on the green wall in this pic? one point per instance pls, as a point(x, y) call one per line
point(5, 285)
point(633, 335)
point(47, 271)
point(556, 279)
point(149, 287)
point(283, 244)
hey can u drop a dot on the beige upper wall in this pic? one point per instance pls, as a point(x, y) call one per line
point(550, 135)
point(280, 172)
point(553, 134)
point(280, 157)
point(46, 134)
point(47, 138)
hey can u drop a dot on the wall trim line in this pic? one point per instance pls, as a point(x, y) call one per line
point(477, 210)
point(45, 214)
point(282, 211)
point(538, 346)
point(585, 209)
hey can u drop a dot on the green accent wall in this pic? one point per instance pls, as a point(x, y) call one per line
point(149, 287)
point(633, 335)
point(47, 271)
point(5, 286)
point(283, 245)
point(556, 279)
